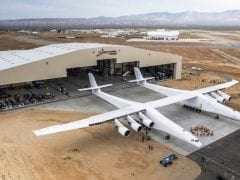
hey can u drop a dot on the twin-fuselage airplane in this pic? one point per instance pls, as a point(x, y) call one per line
point(140, 115)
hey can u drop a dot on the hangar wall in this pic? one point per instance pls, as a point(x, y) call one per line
point(56, 67)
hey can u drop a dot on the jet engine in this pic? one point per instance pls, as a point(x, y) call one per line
point(133, 124)
point(224, 95)
point(145, 120)
point(210, 97)
point(121, 129)
point(217, 97)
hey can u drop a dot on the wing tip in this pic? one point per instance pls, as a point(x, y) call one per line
point(38, 132)
point(35, 132)
point(236, 81)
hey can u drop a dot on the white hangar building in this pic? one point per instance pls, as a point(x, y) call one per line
point(163, 35)
point(56, 60)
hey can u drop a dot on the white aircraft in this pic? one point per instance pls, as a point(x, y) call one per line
point(140, 114)
point(137, 115)
point(206, 99)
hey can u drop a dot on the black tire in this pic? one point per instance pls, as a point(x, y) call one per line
point(170, 163)
point(165, 165)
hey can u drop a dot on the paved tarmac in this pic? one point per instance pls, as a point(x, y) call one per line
point(220, 159)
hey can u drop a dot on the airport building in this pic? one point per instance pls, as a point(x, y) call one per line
point(163, 35)
point(60, 60)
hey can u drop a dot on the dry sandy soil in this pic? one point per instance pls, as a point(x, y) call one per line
point(82, 37)
point(186, 35)
point(205, 59)
point(92, 153)
point(96, 38)
point(233, 52)
point(9, 42)
point(230, 37)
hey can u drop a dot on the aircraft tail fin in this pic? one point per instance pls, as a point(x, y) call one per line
point(139, 77)
point(138, 73)
point(92, 80)
point(94, 87)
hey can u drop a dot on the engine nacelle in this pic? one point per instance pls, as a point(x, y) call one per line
point(224, 95)
point(121, 129)
point(133, 124)
point(210, 97)
point(217, 97)
point(145, 120)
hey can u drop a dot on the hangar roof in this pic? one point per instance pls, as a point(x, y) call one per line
point(163, 33)
point(13, 58)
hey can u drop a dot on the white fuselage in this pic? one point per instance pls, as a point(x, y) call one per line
point(160, 122)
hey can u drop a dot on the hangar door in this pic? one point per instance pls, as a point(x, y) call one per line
point(110, 67)
point(165, 71)
point(106, 66)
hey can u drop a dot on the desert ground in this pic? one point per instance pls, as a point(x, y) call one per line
point(100, 152)
point(9, 41)
point(95, 153)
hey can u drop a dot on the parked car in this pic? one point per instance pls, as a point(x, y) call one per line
point(167, 160)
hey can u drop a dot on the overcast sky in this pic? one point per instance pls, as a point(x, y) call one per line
point(15, 9)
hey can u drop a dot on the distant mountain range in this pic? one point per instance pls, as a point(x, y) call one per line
point(161, 19)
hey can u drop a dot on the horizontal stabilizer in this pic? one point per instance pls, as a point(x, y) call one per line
point(139, 77)
point(141, 80)
point(95, 87)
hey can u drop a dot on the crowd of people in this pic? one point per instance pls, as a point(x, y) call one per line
point(201, 130)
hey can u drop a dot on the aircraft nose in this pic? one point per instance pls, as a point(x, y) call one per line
point(198, 144)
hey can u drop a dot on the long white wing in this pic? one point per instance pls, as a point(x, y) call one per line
point(217, 87)
point(91, 121)
point(171, 100)
point(163, 90)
